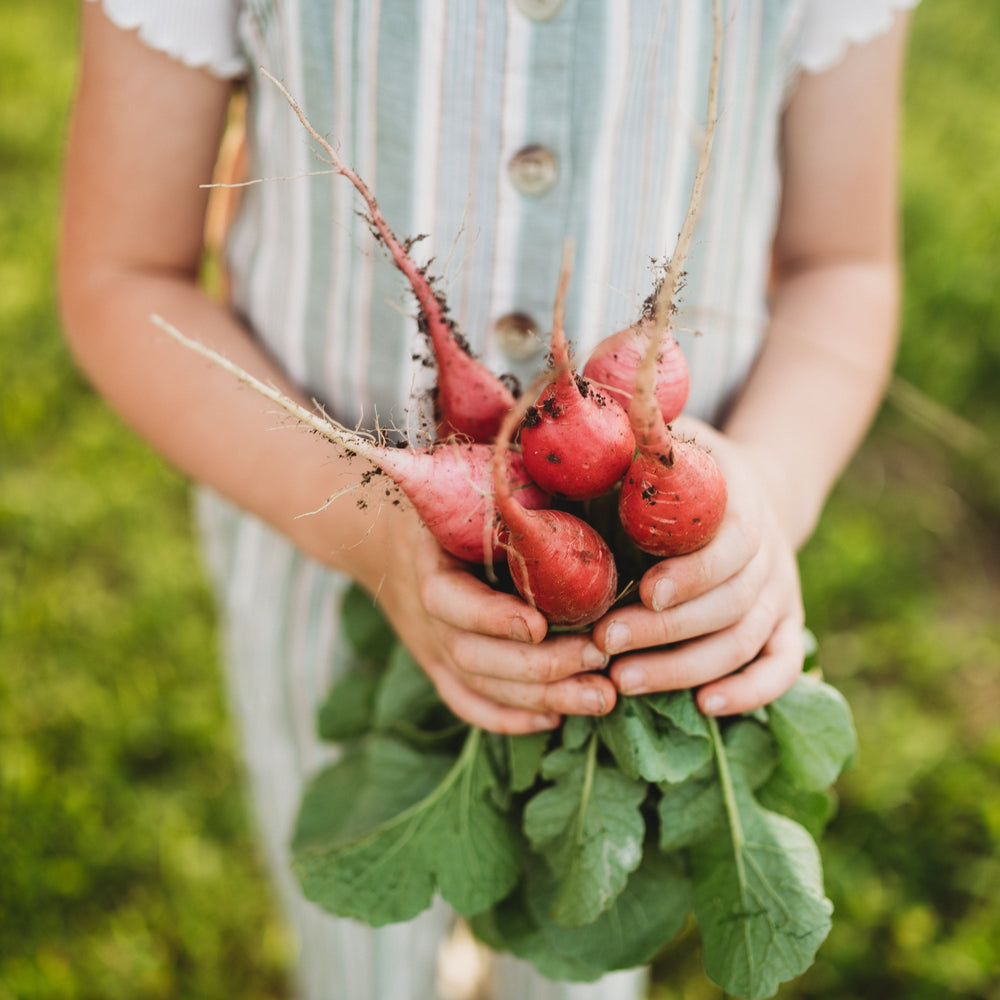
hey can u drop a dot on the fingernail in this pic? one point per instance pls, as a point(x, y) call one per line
point(632, 680)
point(518, 629)
point(593, 658)
point(617, 637)
point(593, 701)
point(714, 704)
point(663, 594)
point(543, 722)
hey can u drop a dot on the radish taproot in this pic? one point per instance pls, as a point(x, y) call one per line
point(673, 496)
point(470, 400)
point(449, 483)
point(575, 440)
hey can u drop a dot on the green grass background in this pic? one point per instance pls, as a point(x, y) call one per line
point(127, 869)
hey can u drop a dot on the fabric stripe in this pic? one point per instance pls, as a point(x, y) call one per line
point(509, 209)
point(596, 312)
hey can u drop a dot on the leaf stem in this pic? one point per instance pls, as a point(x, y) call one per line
point(728, 797)
point(588, 785)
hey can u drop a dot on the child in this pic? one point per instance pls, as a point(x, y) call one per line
point(501, 129)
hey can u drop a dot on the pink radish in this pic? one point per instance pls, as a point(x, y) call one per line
point(449, 484)
point(614, 362)
point(575, 440)
point(674, 495)
point(559, 563)
point(470, 400)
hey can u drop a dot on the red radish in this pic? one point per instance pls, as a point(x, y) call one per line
point(674, 495)
point(470, 400)
point(449, 484)
point(614, 362)
point(559, 563)
point(575, 440)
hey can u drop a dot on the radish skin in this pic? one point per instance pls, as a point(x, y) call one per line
point(575, 441)
point(673, 497)
point(470, 400)
point(449, 484)
point(613, 364)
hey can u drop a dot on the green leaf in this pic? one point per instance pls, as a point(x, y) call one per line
point(589, 828)
point(750, 751)
point(645, 916)
point(691, 809)
point(377, 836)
point(688, 812)
point(812, 725)
point(406, 693)
point(681, 709)
point(576, 731)
point(510, 927)
point(647, 744)
point(366, 629)
point(758, 894)
point(525, 759)
point(810, 809)
point(347, 711)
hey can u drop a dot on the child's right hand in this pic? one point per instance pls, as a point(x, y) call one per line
point(487, 653)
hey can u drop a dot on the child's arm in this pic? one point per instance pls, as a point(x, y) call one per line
point(144, 136)
point(806, 406)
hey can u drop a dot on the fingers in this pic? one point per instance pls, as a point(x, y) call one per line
point(635, 627)
point(766, 678)
point(683, 578)
point(556, 676)
point(736, 670)
point(506, 706)
point(693, 663)
point(454, 596)
point(486, 713)
point(488, 654)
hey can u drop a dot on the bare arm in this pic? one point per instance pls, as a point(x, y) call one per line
point(733, 611)
point(832, 337)
point(144, 136)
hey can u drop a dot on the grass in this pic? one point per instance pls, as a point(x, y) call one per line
point(127, 866)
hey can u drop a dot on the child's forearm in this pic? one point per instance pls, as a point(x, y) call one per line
point(199, 417)
point(818, 382)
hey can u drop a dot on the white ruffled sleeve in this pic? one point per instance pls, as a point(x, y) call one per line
point(200, 33)
point(829, 27)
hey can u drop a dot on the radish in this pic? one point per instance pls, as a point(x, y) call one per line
point(614, 362)
point(673, 496)
point(449, 484)
point(558, 563)
point(470, 400)
point(575, 441)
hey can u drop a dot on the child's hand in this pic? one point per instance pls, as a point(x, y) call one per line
point(730, 613)
point(486, 652)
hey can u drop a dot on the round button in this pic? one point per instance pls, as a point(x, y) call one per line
point(539, 10)
point(517, 335)
point(533, 170)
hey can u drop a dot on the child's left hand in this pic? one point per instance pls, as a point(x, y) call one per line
point(727, 619)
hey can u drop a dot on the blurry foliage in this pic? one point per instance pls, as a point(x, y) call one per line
point(127, 865)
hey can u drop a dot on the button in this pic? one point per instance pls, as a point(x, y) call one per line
point(533, 170)
point(517, 335)
point(539, 10)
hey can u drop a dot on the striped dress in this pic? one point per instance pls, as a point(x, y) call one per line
point(498, 129)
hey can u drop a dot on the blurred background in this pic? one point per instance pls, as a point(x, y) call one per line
point(127, 867)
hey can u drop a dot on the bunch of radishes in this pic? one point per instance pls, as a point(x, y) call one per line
point(486, 488)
